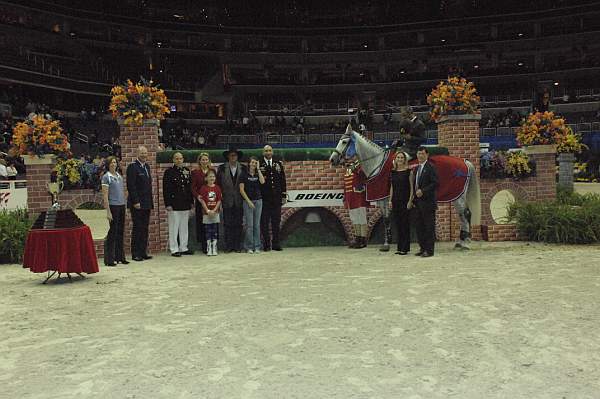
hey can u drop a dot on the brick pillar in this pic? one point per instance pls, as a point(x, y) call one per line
point(460, 134)
point(38, 174)
point(545, 167)
point(131, 137)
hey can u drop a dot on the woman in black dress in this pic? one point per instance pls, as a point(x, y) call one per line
point(400, 201)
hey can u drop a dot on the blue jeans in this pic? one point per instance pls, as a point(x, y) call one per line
point(252, 225)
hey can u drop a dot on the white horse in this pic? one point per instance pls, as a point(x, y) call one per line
point(372, 158)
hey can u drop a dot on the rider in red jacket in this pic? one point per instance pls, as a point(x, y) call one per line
point(356, 202)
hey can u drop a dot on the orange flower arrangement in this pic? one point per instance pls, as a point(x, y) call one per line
point(39, 136)
point(453, 96)
point(138, 102)
point(546, 128)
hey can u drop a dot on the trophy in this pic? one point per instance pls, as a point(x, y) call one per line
point(55, 188)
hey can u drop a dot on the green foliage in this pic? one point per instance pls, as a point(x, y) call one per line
point(14, 226)
point(571, 219)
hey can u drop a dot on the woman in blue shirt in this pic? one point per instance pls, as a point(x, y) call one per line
point(250, 182)
point(113, 192)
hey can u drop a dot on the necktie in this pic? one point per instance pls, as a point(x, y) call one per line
point(419, 174)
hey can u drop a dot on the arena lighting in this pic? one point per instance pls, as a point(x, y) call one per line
point(402, 72)
point(158, 44)
point(519, 63)
point(520, 34)
point(443, 40)
point(476, 66)
point(555, 83)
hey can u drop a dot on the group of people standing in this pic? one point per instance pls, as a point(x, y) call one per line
point(248, 196)
point(412, 190)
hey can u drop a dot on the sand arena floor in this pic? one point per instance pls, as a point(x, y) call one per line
point(507, 320)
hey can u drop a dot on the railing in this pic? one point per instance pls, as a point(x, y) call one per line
point(379, 137)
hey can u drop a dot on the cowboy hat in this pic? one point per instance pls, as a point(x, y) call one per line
point(229, 151)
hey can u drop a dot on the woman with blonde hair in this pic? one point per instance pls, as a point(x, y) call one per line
point(199, 180)
point(400, 200)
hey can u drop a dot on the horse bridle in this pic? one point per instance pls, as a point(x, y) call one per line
point(341, 153)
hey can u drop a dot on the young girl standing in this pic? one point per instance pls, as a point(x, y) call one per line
point(250, 183)
point(210, 199)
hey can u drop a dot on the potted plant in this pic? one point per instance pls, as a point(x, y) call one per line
point(454, 96)
point(135, 103)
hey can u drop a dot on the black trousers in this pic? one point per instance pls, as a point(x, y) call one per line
point(270, 220)
point(425, 225)
point(140, 219)
point(200, 234)
point(233, 219)
point(113, 244)
point(402, 222)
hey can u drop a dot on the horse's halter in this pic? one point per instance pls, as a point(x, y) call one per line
point(342, 153)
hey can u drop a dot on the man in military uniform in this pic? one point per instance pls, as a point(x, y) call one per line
point(177, 194)
point(274, 195)
point(355, 201)
point(412, 132)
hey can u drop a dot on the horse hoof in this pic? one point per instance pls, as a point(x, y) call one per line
point(458, 246)
point(465, 248)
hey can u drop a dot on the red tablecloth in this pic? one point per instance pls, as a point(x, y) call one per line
point(63, 250)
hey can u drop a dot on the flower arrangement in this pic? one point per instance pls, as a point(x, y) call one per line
point(517, 164)
point(138, 102)
point(502, 165)
point(68, 170)
point(453, 96)
point(75, 173)
point(546, 128)
point(40, 135)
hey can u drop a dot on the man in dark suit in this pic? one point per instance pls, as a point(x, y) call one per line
point(274, 195)
point(424, 200)
point(228, 179)
point(140, 203)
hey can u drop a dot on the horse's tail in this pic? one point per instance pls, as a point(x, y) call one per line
point(473, 195)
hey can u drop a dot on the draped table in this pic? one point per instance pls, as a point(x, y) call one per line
point(69, 250)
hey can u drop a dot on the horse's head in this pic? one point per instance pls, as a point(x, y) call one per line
point(344, 148)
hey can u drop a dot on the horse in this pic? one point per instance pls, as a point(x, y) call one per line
point(458, 182)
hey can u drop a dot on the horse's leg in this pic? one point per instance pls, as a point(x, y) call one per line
point(464, 214)
point(387, 223)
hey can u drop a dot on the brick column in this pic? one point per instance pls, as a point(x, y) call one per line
point(38, 174)
point(131, 137)
point(545, 167)
point(460, 134)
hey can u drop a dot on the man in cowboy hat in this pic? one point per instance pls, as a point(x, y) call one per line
point(228, 179)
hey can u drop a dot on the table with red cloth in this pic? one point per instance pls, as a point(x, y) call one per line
point(61, 250)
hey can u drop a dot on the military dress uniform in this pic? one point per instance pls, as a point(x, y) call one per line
point(177, 193)
point(274, 194)
point(355, 200)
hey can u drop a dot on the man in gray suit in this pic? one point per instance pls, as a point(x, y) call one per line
point(228, 179)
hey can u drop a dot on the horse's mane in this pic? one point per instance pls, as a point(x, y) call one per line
point(372, 144)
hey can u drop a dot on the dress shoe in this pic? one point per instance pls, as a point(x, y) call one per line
point(110, 264)
point(137, 258)
point(266, 249)
point(401, 253)
point(146, 257)
point(277, 249)
point(124, 262)
point(188, 252)
point(420, 253)
point(426, 255)
point(176, 254)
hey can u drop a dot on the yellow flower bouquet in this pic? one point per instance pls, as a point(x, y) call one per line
point(137, 102)
point(68, 170)
point(546, 128)
point(518, 164)
point(454, 96)
point(38, 135)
